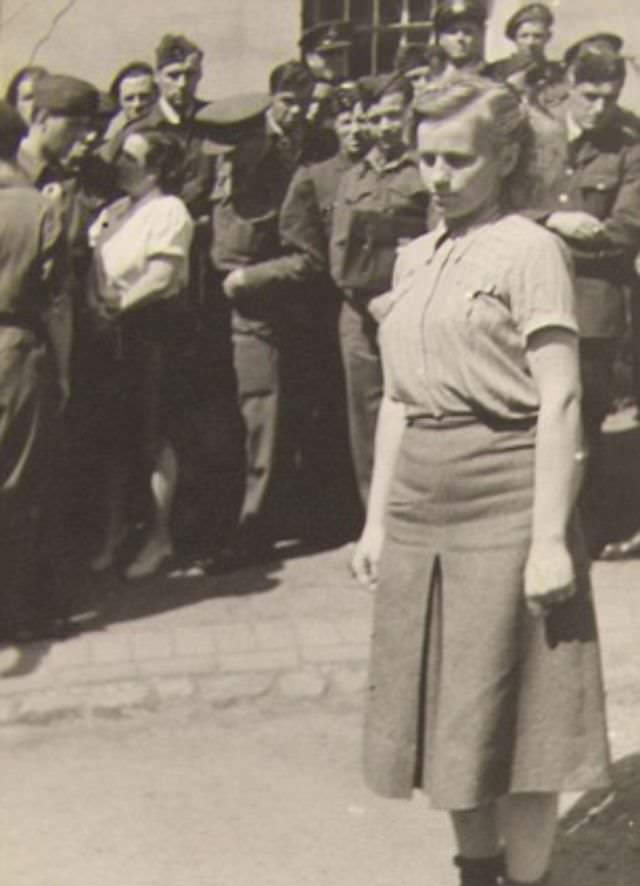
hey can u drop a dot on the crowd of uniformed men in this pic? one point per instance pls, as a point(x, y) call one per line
point(299, 200)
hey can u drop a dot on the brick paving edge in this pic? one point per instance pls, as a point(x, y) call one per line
point(113, 699)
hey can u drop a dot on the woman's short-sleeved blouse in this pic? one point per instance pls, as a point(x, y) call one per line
point(454, 329)
point(128, 235)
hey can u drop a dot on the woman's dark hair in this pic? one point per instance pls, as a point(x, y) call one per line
point(30, 72)
point(165, 157)
point(133, 69)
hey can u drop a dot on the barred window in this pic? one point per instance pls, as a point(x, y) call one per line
point(380, 27)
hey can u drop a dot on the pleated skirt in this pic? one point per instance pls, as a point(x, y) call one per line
point(471, 697)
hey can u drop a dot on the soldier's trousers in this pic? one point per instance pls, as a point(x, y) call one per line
point(597, 357)
point(256, 358)
point(28, 433)
point(363, 377)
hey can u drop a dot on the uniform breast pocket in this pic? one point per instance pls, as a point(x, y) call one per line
point(599, 191)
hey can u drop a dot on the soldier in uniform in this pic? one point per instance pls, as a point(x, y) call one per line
point(419, 65)
point(313, 375)
point(460, 29)
point(325, 50)
point(381, 203)
point(251, 185)
point(594, 205)
point(528, 68)
point(133, 93)
point(33, 386)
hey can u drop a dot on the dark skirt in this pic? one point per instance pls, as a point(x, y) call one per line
point(472, 698)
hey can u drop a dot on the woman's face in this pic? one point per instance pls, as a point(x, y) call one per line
point(24, 99)
point(460, 165)
point(131, 166)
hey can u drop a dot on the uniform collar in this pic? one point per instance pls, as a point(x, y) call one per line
point(574, 131)
point(374, 160)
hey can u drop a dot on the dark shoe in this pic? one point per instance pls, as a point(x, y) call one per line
point(480, 871)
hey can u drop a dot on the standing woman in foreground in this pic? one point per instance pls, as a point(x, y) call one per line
point(485, 671)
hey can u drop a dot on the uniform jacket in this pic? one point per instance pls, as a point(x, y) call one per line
point(250, 188)
point(599, 174)
point(33, 287)
point(379, 206)
point(304, 226)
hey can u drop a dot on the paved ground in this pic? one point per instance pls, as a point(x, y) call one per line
point(262, 669)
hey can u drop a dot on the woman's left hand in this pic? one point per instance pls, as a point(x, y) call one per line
point(549, 576)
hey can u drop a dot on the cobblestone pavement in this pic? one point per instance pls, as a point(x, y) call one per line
point(298, 627)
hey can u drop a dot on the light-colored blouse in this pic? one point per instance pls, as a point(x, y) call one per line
point(455, 326)
point(127, 236)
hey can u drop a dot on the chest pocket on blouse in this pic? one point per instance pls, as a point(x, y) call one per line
point(486, 310)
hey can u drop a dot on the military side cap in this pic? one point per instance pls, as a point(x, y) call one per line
point(533, 12)
point(175, 49)
point(327, 37)
point(595, 42)
point(66, 96)
point(450, 11)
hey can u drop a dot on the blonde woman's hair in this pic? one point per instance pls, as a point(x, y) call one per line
point(497, 106)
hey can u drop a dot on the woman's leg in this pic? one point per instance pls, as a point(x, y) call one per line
point(158, 547)
point(164, 480)
point(529, 826)
point(477, 834)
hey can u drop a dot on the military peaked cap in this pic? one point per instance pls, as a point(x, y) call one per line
point(450, 11)
point(327, 37)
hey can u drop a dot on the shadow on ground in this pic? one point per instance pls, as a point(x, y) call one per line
point(95, 601)
point(599, 838)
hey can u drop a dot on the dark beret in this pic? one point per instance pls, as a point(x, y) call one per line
point(174, 49)
point(327, 37)
point(450, 11)
point(534, 12)
point(66, 96)
point(597, 42)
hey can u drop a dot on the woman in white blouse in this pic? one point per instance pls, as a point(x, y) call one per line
point(141, 247)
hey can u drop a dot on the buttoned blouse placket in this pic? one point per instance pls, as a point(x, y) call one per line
point(437, 263)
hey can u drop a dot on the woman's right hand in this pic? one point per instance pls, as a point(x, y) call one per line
point(366, 557)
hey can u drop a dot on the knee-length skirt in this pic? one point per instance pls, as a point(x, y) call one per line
point(471, 697)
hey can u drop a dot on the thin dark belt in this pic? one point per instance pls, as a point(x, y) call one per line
point(462, 420)
point(30, 323)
